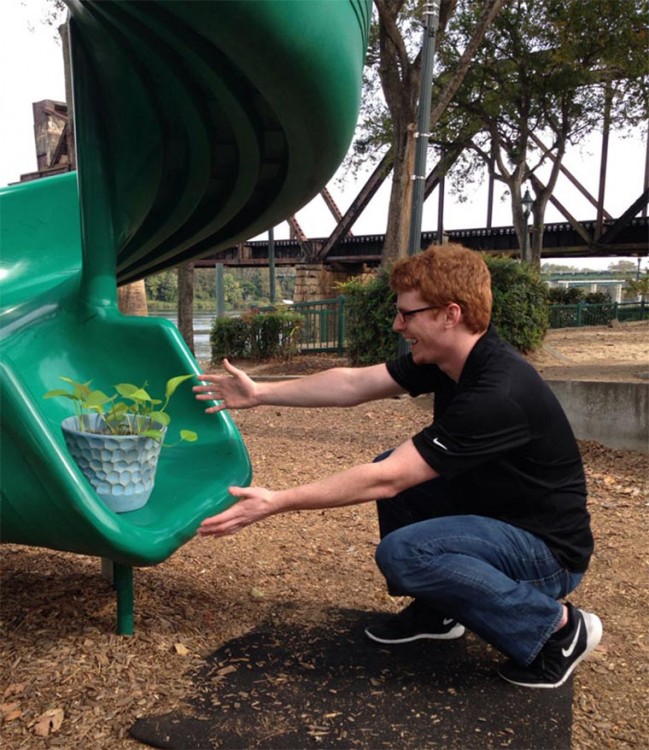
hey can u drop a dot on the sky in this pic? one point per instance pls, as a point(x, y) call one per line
point(31, 69)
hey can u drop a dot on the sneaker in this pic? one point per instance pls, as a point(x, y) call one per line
point(558, 658)
point(416, 621)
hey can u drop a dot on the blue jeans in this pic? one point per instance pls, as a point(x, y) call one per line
point(498, 580)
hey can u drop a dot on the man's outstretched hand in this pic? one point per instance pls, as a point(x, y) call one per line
point(234, 390)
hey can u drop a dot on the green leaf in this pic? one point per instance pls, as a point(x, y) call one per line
point(189, 435)
point(160, 416)
point(173, 383)
point(59, 392)
point(126, 390)
point(95, 399)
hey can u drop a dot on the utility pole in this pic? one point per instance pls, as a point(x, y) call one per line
point(431, 24)
point(271, 264)
point(527, 202)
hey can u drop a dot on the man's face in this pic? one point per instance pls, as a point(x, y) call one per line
point(425, 330)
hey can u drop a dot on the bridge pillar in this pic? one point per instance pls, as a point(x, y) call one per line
point(315, 281)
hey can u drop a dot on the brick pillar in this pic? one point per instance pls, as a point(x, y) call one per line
point(314, 281)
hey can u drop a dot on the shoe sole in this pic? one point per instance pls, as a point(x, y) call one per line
point(457, 631)
point(594, 631)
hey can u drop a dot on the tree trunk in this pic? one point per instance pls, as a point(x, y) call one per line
point(131, 299)
point(400, 81)
point(186, 304)
point(397, 233)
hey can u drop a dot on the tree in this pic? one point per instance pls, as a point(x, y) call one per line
point(623, 266)
point(394, 66)
point(638, 287)
point(186, 303)
point(550, 70)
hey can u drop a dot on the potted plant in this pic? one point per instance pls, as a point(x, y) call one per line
point(116, 440)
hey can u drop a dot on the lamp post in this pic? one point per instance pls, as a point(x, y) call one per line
point(527, 202)
point(430, 24)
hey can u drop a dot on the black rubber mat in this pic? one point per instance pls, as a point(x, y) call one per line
point(286, 687)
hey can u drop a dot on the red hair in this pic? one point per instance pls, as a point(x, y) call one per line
point(448, 273)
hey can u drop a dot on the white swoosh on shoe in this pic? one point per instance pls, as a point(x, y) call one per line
point(567, 652)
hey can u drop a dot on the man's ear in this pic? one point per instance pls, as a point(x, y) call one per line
point(454, 315)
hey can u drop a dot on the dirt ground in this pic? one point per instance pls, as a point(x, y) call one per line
point(69, 682)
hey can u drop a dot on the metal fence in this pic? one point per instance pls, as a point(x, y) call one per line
point(585, 314)
point(324, 320)
point(324, 325)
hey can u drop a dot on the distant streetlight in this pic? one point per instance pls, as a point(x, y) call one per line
point(527, 202)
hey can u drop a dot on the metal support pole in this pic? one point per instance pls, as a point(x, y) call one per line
point(220, 301)
point(271, 263)
point(527, 208)
point(440, 206)
point(431, 24)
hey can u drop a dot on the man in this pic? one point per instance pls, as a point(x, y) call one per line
point(482, 515)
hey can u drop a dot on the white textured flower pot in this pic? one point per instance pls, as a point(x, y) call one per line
point(121, 468)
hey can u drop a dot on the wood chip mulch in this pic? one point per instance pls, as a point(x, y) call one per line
point(68, 681)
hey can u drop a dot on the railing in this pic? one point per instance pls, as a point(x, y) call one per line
point(324, 320)
point(324, 325)
point(585, 314)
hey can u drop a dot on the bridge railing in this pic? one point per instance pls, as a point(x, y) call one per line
point(586, 314)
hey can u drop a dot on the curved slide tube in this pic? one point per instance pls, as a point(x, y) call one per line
point(198, 125)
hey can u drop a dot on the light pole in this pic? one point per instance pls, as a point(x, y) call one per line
point(527, 202)
point(430, 23)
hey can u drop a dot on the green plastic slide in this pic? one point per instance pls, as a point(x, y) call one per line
point(198, 125)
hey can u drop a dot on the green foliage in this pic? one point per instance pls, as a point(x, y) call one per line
point(597, 298)
point(520, 310)
point(256, 336)
point(129, 411)
point(559, 295)
point(370, 313)
point(638, 287)
point(229, 337)
point(162, 287)
point(242, 287)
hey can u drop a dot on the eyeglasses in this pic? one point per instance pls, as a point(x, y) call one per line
point(404, 315)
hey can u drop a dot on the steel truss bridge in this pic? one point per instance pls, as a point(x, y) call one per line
point(603, 236)
point(560, 240)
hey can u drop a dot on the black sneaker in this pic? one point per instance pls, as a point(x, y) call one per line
point(558, 658)
point(416, 621)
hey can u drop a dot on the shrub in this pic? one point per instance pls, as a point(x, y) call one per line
point(274, 334)
point(370, 310)
point(520, 311)
point(558, 295)
point(256, 336)
point(229, 338)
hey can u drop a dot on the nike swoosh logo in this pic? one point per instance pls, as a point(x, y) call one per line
point(436, 441)
point(568, 651)
point(447, 621)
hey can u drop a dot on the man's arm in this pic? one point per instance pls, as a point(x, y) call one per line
point(403, 468)
point(340, 386)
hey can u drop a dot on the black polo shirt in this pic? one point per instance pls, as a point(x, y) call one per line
point(504, 444)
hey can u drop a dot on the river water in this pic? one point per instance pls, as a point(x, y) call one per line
point(202, 327)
